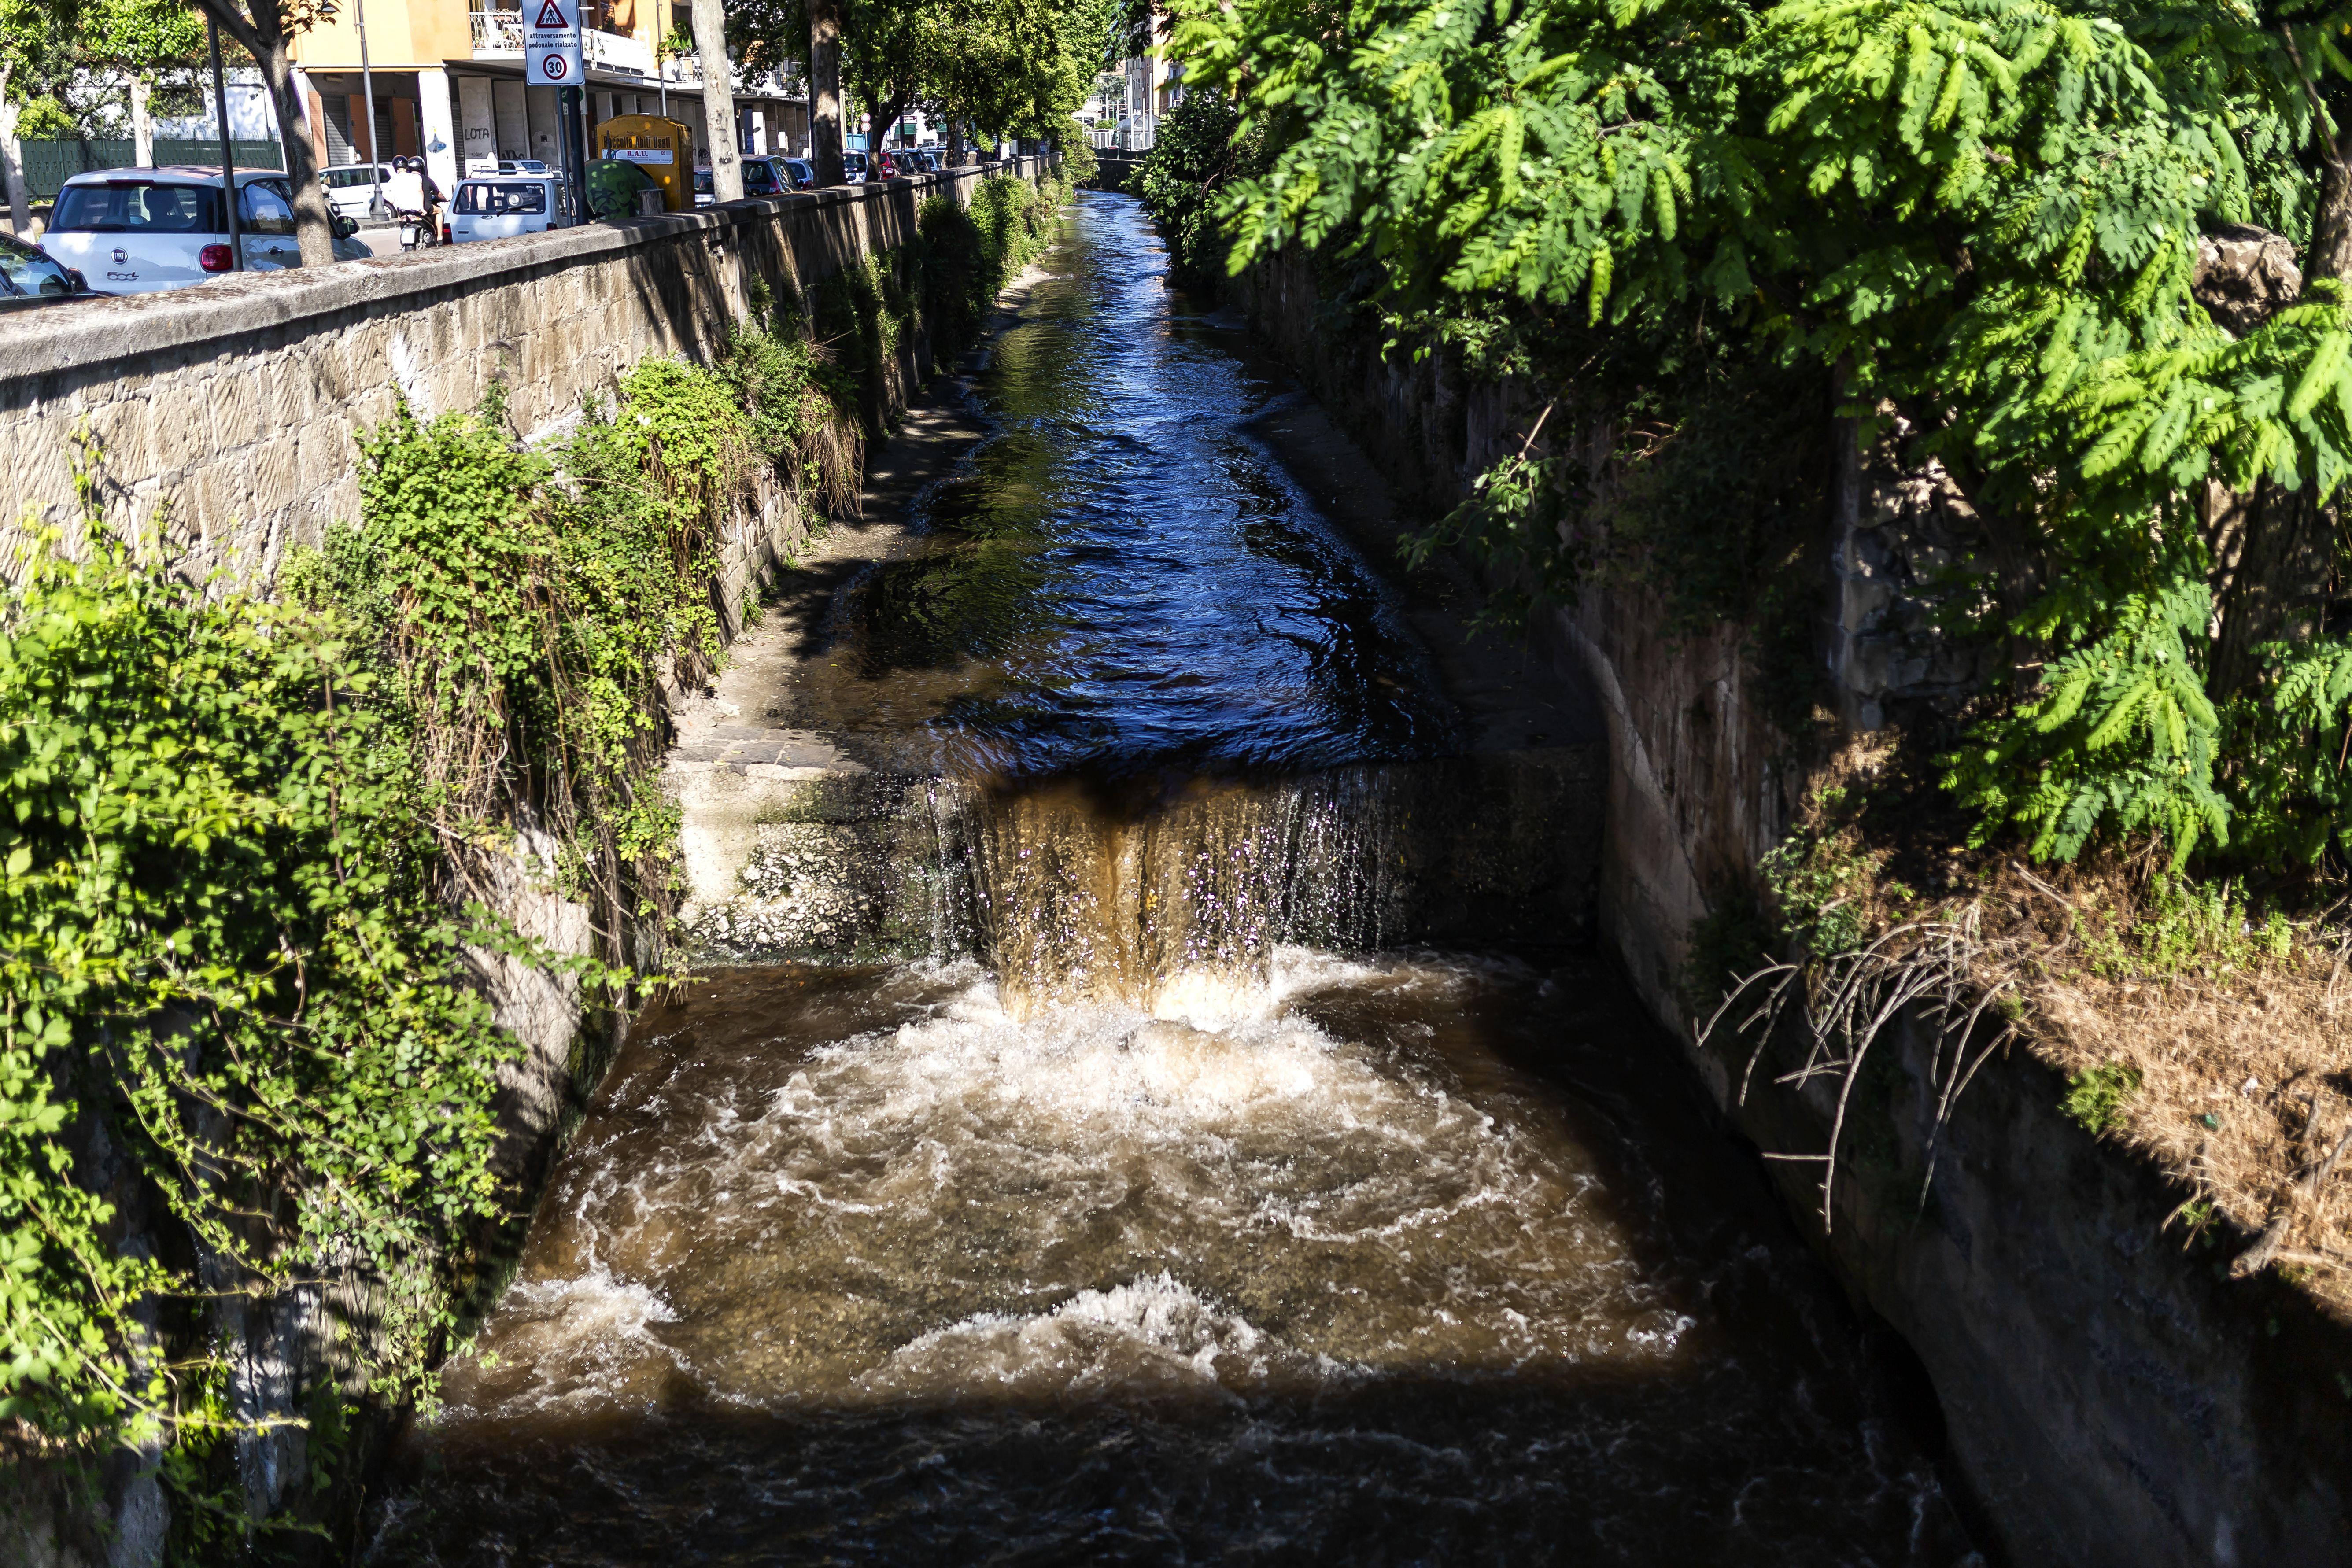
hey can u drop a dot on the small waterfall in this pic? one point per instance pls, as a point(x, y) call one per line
point(1183, 1153)
point(1074, 891)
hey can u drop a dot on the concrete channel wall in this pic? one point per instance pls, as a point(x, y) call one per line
point(2107, 1397)
point(232, 407)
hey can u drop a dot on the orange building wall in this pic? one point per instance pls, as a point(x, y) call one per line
point(400, 34)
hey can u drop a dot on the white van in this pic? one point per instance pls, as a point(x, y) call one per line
point(135, 231)
point(506, 206)
point(351, 186)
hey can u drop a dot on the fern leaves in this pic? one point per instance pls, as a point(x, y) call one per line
point(2119, 732)
point(1986, 211)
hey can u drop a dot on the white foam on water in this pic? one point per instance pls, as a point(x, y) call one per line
point(974, 1199)
point(565, 1346)
point(1149, 1336)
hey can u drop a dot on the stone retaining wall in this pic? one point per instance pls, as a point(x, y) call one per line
point(233, 405)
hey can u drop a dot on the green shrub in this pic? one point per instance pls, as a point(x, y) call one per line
point(969, 255)
point(227, 952)
point(2095, 1096)
point(1182, 182)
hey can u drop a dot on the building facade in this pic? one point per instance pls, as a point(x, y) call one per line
point(448, 84)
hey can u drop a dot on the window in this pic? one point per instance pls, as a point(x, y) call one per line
point(265, 207)
point(24, 272)
point(138, 207)
point(494, 200)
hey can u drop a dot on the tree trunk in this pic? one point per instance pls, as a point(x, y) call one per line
point(12, 164)
point(718, 100)
point(2273, 550)
point(955, 144)
point(142, 125)
point(264, 35)
point(883, 120)
point(314, 226)
point(824, 89)
point(2331, 225)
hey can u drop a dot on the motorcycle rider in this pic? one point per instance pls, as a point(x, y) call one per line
point(415, 201)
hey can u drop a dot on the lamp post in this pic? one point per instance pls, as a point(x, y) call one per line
point(367, 87)
point(228, 156)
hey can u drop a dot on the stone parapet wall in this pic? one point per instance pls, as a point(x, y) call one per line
point(232, 407)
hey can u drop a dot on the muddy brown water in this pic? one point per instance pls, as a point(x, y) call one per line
point(1379, 1258)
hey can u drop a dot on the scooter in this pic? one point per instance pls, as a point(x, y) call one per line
point(418, 229)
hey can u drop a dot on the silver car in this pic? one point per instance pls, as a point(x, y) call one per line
point(507, 205)
point(136, 231)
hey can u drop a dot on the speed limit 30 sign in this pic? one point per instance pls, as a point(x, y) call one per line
point(552, 42)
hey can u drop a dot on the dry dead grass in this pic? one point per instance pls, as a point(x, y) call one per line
point(2240, 1049)
point(2218, 1045)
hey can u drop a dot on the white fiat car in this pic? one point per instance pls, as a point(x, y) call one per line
point(136, 231)
point(506, 206)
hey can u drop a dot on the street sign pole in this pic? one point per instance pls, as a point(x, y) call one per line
point(551, 57)
point(571, 109)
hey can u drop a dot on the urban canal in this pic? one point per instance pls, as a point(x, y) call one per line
point(1180, 1214)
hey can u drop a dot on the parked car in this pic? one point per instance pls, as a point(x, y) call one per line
point(352, 188)
point(703, 193)
point(926, 160)
point(505, 206)
point(765, 177)
point(889, 164)
point(524, 166)
point(804, 173)
point(853, 166)
point(29, 277)
point(141, 230)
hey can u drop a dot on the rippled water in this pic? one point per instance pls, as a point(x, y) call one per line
point(1406, 1259)
point(1122, 576)
point(1259, 1255)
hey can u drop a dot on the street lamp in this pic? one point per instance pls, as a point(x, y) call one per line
point(367, 87)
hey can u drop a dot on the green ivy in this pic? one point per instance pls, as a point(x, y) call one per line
point(226, 954)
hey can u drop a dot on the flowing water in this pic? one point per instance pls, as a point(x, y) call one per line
point(1126, 1243)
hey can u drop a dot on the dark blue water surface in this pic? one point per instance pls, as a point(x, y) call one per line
point(1122, 577)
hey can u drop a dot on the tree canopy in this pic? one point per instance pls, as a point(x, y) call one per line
point(1984, 217)
point(1013, 67)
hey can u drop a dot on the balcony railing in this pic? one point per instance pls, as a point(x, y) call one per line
point(500, 35)
point(1136, 136)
